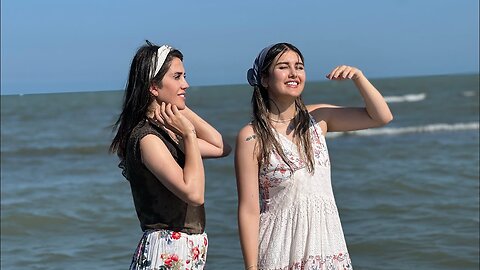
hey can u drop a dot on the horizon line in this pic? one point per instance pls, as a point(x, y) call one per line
point(238, 84)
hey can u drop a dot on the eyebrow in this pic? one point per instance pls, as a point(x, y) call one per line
point(286, 63)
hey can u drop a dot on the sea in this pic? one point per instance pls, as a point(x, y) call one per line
point(407, 193)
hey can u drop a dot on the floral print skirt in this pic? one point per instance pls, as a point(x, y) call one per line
point(165, 249)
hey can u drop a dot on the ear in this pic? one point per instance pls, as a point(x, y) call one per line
point(264, 81)
point(154, 90)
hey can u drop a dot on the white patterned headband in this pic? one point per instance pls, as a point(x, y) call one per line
point(162, 54)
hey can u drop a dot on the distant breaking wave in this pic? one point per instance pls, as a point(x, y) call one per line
point(469, 93)
point(415, 129)
point(83, 150)
point(406, 98)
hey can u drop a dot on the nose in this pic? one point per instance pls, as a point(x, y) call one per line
point(185, 84)
point(293, 72)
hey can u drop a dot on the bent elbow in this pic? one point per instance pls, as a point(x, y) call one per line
point(223, 151)
point(218, 152)
point(385, 120)
point(227, 149)
point(196, 199)
point(388, 119)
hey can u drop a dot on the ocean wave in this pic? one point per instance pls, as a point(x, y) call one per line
point(413, 129)
point(469, 93)
point(406, 98)
point(57, 150)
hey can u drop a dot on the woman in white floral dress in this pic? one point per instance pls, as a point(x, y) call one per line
point(287, 214)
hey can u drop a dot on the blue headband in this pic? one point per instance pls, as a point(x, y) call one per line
point(253, 74)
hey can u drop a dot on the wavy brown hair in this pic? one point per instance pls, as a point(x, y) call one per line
point(266, 139)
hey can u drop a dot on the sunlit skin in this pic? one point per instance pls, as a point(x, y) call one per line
point(174, 86)
point(168, 108)
point(287, 77)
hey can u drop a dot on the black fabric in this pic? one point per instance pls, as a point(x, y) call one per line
point(156, 206)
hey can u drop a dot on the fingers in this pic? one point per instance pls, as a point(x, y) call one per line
point(342, 72)
point(174, 109)
point(169, 109)
point(158, 117)
point(332, 75)
point(163, 112)
point(170, 116)
point(166, 114)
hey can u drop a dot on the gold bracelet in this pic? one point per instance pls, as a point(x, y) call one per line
point(253, 265)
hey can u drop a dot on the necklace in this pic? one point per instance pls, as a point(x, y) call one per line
point(175, 137)
point(282, 121)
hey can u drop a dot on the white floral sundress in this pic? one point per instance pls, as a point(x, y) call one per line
point(299, 222)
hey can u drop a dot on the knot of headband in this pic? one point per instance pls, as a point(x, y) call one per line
point(162, 54)
point(253, 74)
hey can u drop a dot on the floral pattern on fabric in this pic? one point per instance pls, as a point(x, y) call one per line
point(300, 226)
point(340, 261)
point(170, 250)
point(274, 174)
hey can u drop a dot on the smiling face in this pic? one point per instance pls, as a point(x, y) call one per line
point(174, 86)
point(286, 76)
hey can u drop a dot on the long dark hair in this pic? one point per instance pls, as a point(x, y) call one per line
point(137, 96)
point(262, 126)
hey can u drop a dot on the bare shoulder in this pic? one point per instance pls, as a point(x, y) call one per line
point(150, 138)
point(152, 143)
point(246, 135)
point(321, 113)
point(245, 153)
point(153, 152)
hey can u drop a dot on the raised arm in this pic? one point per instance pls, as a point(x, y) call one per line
point(375, 113)
point(210, 141)
point(187, 183)
point(246, 170)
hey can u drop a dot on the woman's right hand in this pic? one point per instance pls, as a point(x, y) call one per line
point(169, 116)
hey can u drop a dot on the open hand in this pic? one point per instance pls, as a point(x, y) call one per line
point(344, 72)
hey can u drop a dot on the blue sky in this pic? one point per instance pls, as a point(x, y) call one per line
point(64, 46)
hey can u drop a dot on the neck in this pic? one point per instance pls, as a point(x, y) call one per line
point(282, 111)
point(151, 109)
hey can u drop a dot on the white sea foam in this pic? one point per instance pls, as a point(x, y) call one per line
point(406, 98)
point(469, 93)
point(413, 129)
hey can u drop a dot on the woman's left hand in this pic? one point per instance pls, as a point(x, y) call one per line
point(344, 72)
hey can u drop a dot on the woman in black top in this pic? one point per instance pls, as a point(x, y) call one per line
point(160, 143)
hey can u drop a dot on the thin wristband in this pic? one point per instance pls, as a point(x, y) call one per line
point(193, 131)
point(253, 265)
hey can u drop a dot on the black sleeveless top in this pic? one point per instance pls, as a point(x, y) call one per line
point(156, 206)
